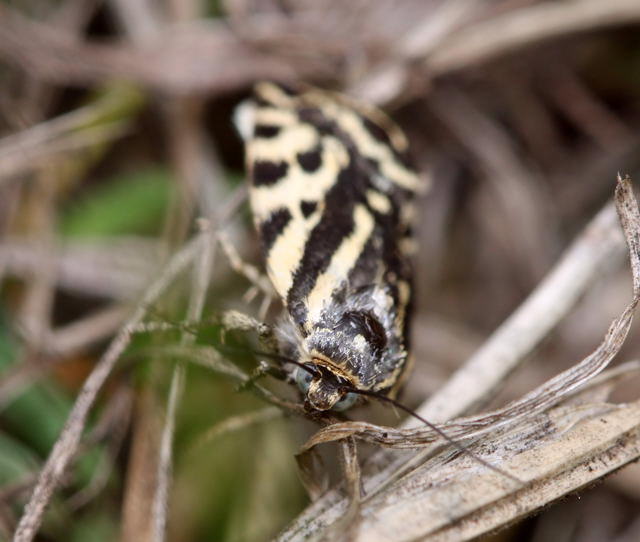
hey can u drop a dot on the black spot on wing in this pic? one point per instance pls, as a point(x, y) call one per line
point(380, 134)
point(317, 119)
point(267, 173)
point(261, 101)
point(377, 132)
point(289, 90)
point(308, 207)
point(391, 232)
point(310, 161)
point(266, 131)
point(271, 228)
point(404, 157)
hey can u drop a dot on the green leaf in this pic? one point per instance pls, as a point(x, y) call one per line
point(38, 412)
point(131, 203)
point(16, 460)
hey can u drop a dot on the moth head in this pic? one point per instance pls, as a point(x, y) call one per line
point(343, 356)
point(323, 389)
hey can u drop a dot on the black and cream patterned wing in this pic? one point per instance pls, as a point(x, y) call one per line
point(330, 188)
point(331, 192)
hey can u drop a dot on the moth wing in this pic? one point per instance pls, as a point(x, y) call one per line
point(327, 187)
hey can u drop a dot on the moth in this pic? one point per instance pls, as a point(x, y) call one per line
point(331, 193)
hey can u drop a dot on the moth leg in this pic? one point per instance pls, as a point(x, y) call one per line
point(238, 321)
point(251, 294)
point(252, 274)
point(263, 369)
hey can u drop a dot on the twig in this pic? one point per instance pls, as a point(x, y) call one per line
point(600, 243)
point(180, 62)
point(176, 64)
point(113, 268)
point(559, 461)
point(28, 158)
point(113, 105)
point(202, 277)
point(501, 35)
point(83, 332)
point(113, 425)
point(67, 443)
point(385, 82)
point(236, 423)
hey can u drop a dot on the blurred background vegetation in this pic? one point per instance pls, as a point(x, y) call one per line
point(116, 135)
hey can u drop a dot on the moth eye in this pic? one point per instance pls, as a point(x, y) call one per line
point(303, 379)
point(346, 402)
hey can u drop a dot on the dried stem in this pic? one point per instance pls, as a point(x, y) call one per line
point(201, 280)
point(237, 423)
point(166, 66)
point(68, 441)
point(521, 27)
point(566, 451)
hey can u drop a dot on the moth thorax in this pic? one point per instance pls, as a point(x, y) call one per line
point(350, 348)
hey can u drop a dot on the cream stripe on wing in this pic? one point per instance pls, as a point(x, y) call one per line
point(342, 262)
point(287, 250)
point(389, 165)
point(367, 145)
point(277, 117)
point(291, 141)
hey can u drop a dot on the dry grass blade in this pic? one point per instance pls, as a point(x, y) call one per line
point(90, 126)
point(524, 418)
point(67, 444)
point(475, 382)
point(236, 423)
point(113, 268)
point(201, 280)
point(175, 62)
point(564, 452)
point(181, 61)
point(514, 191)
point(521, 27)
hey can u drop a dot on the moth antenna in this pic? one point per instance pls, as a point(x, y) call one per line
point(270, 355)
point(285, 359)
point(460, 447)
